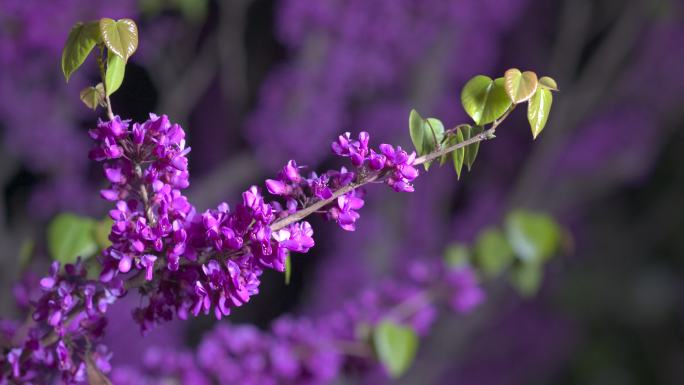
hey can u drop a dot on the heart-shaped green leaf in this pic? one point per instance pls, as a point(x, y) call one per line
point(81, 41)
point(520, 86)
point(396, 347)
point(116, 68)
point(548, 82)
point(93, 96)
point(484, 99)
point(459, 154)
point(416, 130)
point(120, 36)
point(538, 109)
point(534, 237)
point(70, 236)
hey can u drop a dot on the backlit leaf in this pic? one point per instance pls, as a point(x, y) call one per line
point(548, 82)
point(116, 69)
point(82, 39)
point(120, 36)
point(484, 99)
point(93, 96)
point(538, 109)
point(520, 86)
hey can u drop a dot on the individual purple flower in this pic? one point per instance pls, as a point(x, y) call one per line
point(345, 212)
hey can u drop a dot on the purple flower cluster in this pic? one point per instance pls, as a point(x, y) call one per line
point(191, 263)
point(313, 351)
point(69, 316)
point(397, 163)
point(147, 168)
point(392, 165)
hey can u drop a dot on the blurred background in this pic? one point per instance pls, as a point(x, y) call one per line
point(258, 82)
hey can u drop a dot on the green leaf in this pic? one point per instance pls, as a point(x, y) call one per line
point(520, 86)
point(534, 237)
point(81, 41)
point(456, 255)
point(416, 130)
point(120, 36)
point(288, 269)
point(538, 110)
point(450, 141)
point(526, 278)
point(548, 82)
point(70, 236)
point(493, 254)
point(434, 131)
point(101, 231)
point(116, 69)
point(472, 150)
point(93, 96)
point(396, 347)
point(433, 134)
point(484, 99)
point(459, 154)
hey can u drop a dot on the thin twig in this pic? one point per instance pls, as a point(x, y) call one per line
point(479, 138)
point(305, 212)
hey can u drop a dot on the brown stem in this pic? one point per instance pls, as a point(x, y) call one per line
point(305, 212)
point(110, 113)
